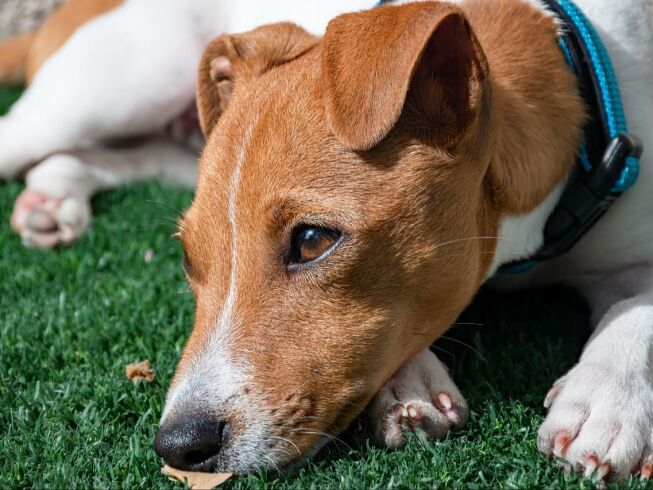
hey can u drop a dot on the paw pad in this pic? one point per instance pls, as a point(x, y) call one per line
point(45, 222)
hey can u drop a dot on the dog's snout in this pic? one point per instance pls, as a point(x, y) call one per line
point(191, 442)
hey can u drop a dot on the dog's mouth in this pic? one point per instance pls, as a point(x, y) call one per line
point(201, 442)
point(349, 425)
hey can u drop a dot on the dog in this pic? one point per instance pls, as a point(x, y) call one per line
point(349, 205)
point(356, 191)
point(111, 99)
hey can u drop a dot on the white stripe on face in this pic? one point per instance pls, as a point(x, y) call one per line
point(227, 311)
point(213, 376)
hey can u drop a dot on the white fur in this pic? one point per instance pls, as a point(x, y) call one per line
point(234, 187)
point(211, 384)
point(521, 236)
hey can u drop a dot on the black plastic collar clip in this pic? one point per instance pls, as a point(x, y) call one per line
point(587, 197)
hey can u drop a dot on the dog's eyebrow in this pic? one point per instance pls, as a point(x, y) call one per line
point(319, 211)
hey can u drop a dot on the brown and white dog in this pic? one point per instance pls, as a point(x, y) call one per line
point(354, 194)
point(356, 191)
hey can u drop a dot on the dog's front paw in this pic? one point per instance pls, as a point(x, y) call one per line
point(600, 422)
point(45, 222)
point(421, 395)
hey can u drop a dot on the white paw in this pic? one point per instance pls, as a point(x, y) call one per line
point(421, 395)
point(600, 423)
point(45, 222)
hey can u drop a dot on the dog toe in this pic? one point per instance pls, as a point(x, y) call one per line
point(454, 409)
point(40, 221)
point(602, 437)
point(25, 204)
point(45, 222)
point(420, 398)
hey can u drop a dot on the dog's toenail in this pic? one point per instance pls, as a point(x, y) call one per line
point(603, 471)
point(591, 463)
point(561, 443)
point(412, 411)
point(544, 445)
point(445, 400)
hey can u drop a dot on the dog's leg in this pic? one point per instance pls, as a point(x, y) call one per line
point(600, 417)
point(125, 73)
point(56, 206)
point(421, 395)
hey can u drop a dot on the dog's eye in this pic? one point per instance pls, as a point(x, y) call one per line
point(185, 264)
point(311, 243)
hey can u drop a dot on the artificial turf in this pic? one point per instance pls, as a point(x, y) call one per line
point(71, 319)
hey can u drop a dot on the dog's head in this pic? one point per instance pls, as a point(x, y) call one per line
point(332, 235)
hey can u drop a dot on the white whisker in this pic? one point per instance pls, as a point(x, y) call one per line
point(451, 242)
point(323, 434)
point(286, 441)
point(276, 466)
point(466, 345)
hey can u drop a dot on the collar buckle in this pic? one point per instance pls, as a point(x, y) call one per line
point(586, 198)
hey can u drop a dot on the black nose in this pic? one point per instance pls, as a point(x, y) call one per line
point(191, 442)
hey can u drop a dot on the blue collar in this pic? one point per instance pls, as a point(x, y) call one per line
point(608, 158)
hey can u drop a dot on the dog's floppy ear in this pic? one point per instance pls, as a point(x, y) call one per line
point(421, 57)
point(232, 59)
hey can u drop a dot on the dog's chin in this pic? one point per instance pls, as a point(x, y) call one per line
point(288, 468)
point(291, 467)
point(274, 469)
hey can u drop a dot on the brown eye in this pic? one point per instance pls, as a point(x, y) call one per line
point(311, 243)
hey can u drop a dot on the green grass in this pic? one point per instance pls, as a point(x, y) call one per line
point(71, 319)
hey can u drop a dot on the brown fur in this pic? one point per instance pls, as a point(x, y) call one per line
point(252, 54)
point(378, 76)
point(13, 58)
point(21, 57)
point(370, 137)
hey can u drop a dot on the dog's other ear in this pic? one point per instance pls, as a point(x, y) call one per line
point(421, 57)
point(231, 59)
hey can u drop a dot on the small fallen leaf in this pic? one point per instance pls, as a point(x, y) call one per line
point(141, 371)
point(196, 480)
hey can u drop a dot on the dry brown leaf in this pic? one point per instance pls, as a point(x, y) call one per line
point(195, 480)
point(141, 371)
